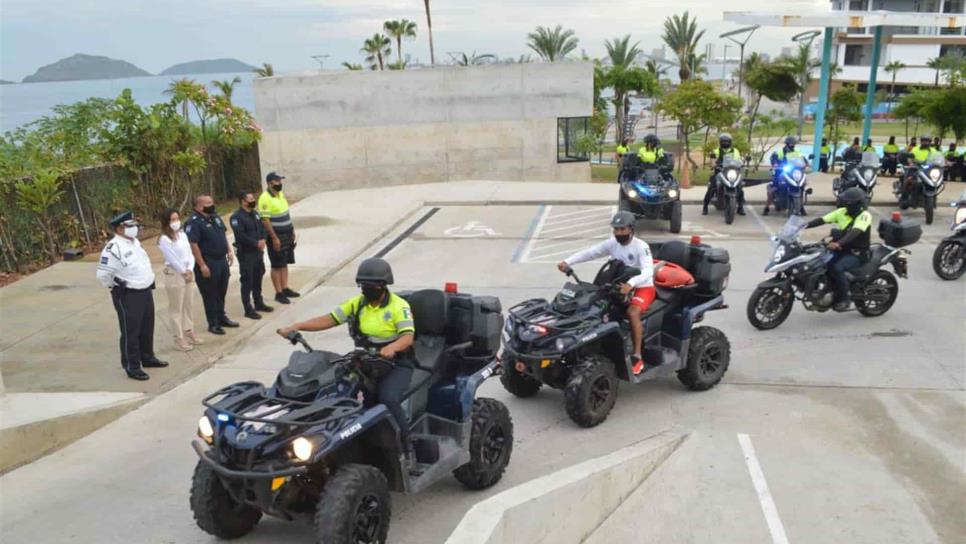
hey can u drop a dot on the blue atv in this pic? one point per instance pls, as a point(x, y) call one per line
point(649, 193)
point(316, 447)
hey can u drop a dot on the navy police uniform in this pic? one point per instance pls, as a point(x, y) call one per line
point(209, 233)
point(249, 231)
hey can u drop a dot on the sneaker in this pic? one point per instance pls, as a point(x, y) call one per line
point(638, 365)
point(282, 299)
point(842, 306)
point(290, 293)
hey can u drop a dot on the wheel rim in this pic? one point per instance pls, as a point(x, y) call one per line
point(599, 392)
point(494, 444)
point(368, 520)
point(770, 305)
point(878, 292)
point(951, 260)
point(711, 360)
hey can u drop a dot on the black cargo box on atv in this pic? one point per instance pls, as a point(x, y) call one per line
point(904, 232)
point(710, 266)
point(476, 319)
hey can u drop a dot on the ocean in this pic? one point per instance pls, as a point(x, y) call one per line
point(22, 103)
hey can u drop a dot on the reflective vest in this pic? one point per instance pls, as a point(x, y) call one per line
point(784, 156)
point(920, 154)
point(621, 150)
point(952, 154)
point(890, 148)
point(868, 149)
point(826, 151)
point(650, 156)
point(377, 325)
point(275, 209)
point(721, 155)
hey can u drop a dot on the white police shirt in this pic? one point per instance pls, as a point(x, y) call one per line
point(636, 253)
point(125, 260)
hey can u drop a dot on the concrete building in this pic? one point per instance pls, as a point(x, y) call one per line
point(913, 46)
point(336, 130)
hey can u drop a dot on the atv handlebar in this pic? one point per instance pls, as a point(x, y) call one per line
point(296, 337)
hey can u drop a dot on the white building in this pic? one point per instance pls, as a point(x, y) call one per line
point(912, 46)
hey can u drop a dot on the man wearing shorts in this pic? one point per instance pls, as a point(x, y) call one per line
point(273, 207)
point(634, 252)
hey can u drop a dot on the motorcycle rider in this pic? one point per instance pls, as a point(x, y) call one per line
point(891, 156)
point(954, 164)
point(850, 245)
point(778, 160)
point(724, 151)
point(378, 319)
point(917, 155)
point(869, 148)
point(632, 251)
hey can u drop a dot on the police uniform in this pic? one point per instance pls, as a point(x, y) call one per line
point(824, 154)
point(125, 269)
point(954, 165)
point(209, 233)
point(852, 255)
point(249, 231)
point(377, 326)
point(890, 153)
point(709, 192)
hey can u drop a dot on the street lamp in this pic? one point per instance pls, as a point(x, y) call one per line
point(748, 30)
point(321, 60)
point(805, 38)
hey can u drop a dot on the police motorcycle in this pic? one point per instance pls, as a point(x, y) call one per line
point(580, 342)
point(949, 259)
point(862, 174)
point(789, 189)
point(889, 161)
point(315, 446)
point(728, 180)
point(649, 193)
point(925, 182)
point(801, 272)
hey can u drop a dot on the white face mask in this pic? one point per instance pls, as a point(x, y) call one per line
point(131, 232)
point(176, 226)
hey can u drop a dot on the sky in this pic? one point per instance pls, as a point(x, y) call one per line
point(155, 34)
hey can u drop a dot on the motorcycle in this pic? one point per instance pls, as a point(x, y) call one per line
point(801, 272)
point(949, 259)
point(649, 194)
point(728, 180)
point(789, 192)
point(924, 182)
point(862, 174)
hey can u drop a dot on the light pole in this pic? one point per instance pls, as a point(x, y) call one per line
point(321, 60)
point(748, 31)
point(804, 38)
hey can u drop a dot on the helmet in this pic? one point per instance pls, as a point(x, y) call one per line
point(724, 140)
point(925, 137)
point(374, 271)
point(651, 139)
point(791, 141)
point(622, 219)
point(852, 198)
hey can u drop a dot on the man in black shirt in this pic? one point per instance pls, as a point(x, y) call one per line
point(213, 259)
point(250, 239)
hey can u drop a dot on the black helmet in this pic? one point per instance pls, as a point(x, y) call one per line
point(651, 139)
point(850, 197)
point(724, 140)
point(925, 137)
point(622, 219)
point(791, 141)
point(374, 271)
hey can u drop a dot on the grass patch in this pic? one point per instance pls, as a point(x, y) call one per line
point(600, 173)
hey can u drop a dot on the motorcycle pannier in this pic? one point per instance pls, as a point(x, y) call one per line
point(904, 232)
point(711, 269)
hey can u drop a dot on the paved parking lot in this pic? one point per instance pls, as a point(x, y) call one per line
point(858, 425)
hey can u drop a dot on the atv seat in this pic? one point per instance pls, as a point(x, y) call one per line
point(429, 313)
point(676, 252)
point(876, 253)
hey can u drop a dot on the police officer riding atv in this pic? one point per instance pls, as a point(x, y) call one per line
point(648, 189)
point(335, 433)
point(726, 186)
point(591, 334)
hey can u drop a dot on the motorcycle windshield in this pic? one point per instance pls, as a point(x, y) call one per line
point(936, 159)
point(870, 159)
point(732, 162)
point(792, 228)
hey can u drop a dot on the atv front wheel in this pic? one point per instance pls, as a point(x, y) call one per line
point(520, 385)
point(675, 225)
point(354, 507)
point(491, 443)
point(591, 391)
point(708, 359)
point(216, 511)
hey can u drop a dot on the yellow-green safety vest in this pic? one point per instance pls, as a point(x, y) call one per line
point(621, 150)
point(382, 324)
point(650, 156)
point(890, 148)
point(920, 154)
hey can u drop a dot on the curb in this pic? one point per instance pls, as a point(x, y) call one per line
point(588, 202)
point(568, 505)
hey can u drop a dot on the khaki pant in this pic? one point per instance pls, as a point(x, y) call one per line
point(181, 302)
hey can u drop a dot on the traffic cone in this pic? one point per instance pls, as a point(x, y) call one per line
point(686, 176)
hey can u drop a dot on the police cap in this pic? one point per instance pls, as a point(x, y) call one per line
point(122, 218)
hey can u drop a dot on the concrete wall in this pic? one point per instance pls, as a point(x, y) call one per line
point(337, 130)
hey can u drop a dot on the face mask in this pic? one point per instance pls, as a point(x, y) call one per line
point(210, 210)
point(622, 239)
point(372, 293)
point(131, 232)
point(176, 226)
point(250, 205)
point(854, 209)
point(277, 187)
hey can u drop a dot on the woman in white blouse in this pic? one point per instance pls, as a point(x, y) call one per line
point(179, 266)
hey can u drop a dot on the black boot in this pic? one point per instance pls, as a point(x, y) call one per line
point(766, 211)
point(704, 210)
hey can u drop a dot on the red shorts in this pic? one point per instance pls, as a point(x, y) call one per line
point(643, 297)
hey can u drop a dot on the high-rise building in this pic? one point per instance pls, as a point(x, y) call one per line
point(912, 46)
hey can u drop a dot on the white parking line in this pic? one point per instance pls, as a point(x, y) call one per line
point(768, 507)
point(536, 232)
point(580, 212)
point(760, 221)
point(578, 227)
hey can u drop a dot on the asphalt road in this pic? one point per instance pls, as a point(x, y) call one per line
point(859, 425)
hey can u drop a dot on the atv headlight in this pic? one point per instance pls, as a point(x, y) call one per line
point(632, 193)
point(673, 193)
point(302, 449)
point(205, 429)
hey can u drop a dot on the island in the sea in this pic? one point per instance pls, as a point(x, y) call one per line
point(82, 67)
point(213, 66)
point(5, 82)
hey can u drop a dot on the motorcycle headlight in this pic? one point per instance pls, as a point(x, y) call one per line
point(797, 175)
point(960, 215)
point(205, 429)
point(302, 449)
point(779, 254)
point(731, 175)
point(868, 174)
point(935, 175)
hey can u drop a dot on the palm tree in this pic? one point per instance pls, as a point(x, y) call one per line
point(802, 64)
point(377, 48)
point(698, 64)
point(893, 68)
point(657, 69)
point(620, 51)
point(351, 66)
point(682, 36)
point(552, 45)
point(472, 60)
point(429, 26)
point(227, 87)
point(265, 71)
point(181, 91)
point(936, 63)
point(402, 28)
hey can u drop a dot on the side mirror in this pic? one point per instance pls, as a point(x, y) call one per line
point(808, 191)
